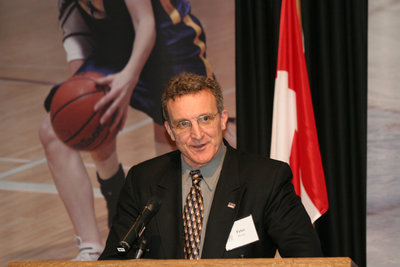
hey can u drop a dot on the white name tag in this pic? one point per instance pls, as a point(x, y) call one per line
point(243, 232)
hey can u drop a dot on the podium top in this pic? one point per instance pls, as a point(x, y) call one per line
point(311, 262)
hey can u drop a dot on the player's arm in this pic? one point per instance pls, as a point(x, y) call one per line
point(78, 44)
point(74, 65)
point(123, 83)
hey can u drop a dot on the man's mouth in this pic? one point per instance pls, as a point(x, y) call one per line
point(198, 147)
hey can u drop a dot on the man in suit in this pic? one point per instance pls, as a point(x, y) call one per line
point(248, 206)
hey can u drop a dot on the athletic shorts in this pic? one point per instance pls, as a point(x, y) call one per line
point(179, 47)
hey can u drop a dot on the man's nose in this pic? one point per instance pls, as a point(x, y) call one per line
point(196, 131)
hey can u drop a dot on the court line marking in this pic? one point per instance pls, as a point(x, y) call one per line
point(136, 126)
point(22, 168)
point(29, 150)
point(37, 188)
point(16, 160)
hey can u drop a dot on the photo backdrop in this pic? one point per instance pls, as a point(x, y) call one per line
point(34, 222)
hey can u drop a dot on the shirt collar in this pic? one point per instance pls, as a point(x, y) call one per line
point(209, 170)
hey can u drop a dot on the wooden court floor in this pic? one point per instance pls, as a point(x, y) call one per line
point(34, 224)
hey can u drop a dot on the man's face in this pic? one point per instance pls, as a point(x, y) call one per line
point(196, 126)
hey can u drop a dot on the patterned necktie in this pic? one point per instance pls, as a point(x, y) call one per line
point(193, 217)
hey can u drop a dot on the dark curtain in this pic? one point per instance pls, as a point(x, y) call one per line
point(335, 37)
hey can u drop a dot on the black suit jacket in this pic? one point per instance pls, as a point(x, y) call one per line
point(257, 185)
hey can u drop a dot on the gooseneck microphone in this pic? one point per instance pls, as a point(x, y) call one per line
point(138, 227)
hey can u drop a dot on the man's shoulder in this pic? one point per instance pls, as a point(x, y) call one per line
point(159, 163)
point(257, 170)
point(252, 159)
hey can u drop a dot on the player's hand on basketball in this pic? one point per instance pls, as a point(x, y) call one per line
point(116, 101)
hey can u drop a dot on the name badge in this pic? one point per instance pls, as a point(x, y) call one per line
point(243, 232)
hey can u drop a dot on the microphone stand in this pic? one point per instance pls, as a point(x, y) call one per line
point(140, 247)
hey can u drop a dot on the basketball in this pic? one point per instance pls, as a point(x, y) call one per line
point(72, 112)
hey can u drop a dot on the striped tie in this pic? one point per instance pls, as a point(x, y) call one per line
point(193, 217)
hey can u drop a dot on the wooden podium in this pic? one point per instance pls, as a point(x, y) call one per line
point(303, 262)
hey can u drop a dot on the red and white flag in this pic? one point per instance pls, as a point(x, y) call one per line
point(294, 134)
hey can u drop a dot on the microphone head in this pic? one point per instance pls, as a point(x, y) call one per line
point(153, 205)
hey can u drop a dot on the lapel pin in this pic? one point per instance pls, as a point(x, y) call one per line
point(231, 205)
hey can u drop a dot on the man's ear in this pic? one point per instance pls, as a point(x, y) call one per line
point(169, 130)
point(224, 119)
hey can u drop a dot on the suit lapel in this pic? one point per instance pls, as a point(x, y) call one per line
point(168, 218)
point(221, 218)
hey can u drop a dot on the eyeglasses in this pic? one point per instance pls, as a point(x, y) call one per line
point(203, 121)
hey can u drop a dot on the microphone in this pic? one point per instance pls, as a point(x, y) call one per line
point(138, 227)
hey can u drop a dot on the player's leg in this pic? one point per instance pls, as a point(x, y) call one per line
point(73, 185)
point(110, 175)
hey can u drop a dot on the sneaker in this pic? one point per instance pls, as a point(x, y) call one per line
point(87, 251)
